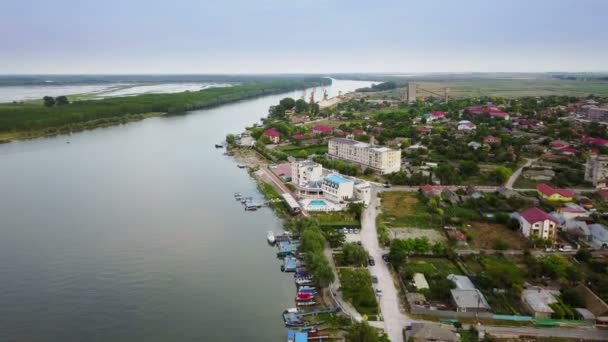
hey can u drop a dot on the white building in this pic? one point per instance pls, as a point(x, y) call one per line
point(466, 126)
point(596, 170)
point(536, 223)
point(380, 159)
point(363, 192)
point(306, 177)
point(337, 188)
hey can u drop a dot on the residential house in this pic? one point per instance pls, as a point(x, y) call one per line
point(568, 151)
point(465, 296)
point(603, 193)
point(491, 140)
point(599, 235)
point(474, 145)
point(551, 194)
point(488, 110)
point(357, 132)
point(299, 118)
point(273, 135)
point(438, 114)
point(450, 196)
point(322, 130)
point(537, 301)
point(431, 191)
point(431, 331)
point(535, 223)
point(571, 211)
point(466, 126)
point(594, 141)
point(424, 129)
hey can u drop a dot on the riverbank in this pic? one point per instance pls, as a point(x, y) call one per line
point(31, 119)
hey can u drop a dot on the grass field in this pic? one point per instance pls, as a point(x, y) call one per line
point(357, 289)
point(403, 209)
point(509, 88)
point(486, 234)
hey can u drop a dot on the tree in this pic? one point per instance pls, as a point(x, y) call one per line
point(287, 103)
point(62, 100)
point(447, 174)
point(301, 106)
point(468, 168)
point(502, 173)
point(355, 209)
point(230, 139)
point(362, 332)
point(583, 255)
point(48, 101)
point(354, 254)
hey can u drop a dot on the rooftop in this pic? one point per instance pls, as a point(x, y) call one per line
point(461, 282)
point(534, 215)
point(549, 191)
point(469, 298)
point(539, 299)
point(337, 179)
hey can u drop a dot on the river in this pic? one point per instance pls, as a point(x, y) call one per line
point(132, 233)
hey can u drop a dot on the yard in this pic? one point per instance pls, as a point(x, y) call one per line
point(435, 271)
point(303, 151)
point(434, 236)
point(485, 236)
point(403, 209)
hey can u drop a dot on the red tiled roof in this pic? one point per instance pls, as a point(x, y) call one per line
point(423, 129)
point(298, 136)
point(359, 132)
point(548, 191)
point(573, 210)
point(271, 132)
point(428, 188)
point(322, 129)
point(568, 150)
point(438, 114)
point(534, 215)
point(595, 141)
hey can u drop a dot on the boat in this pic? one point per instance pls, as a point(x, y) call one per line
point(270, 237)
point(241, 166)
point(306, 303)
point(300, 281)
point(219, 146)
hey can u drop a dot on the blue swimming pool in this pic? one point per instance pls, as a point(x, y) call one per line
point(317, 203)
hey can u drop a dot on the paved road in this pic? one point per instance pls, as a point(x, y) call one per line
point(515, 175)
point(394, 319)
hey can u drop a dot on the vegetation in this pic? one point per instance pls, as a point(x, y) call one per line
point(313, 245)
point(354, 255)
point(357, 289)
point(31, 119)
point(403, 209)
point(363, 332)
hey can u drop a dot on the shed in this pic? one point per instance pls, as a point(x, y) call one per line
point(585, 315)
point(469, 300)
point(294, 206)
point(420, 281)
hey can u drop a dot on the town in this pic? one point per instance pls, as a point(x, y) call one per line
point(435, 218)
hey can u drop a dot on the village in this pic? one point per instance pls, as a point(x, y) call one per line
point(433, 215)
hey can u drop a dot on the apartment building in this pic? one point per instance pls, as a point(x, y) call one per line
point(596, 170)
point(382, 160)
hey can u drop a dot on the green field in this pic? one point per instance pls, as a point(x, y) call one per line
point(31, 119)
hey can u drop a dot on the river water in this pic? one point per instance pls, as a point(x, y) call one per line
point(132, 233)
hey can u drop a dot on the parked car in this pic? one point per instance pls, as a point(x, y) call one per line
point(374, 279)
point(378, 292)
point(385, 257)
point(358, 243)
point(387, 185)
point(371, 261)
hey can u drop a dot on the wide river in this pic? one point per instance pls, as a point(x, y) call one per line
point(132, 233)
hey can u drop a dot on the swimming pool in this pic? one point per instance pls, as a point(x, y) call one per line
point(317, 203)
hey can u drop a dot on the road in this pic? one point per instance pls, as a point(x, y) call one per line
point(515, 175)
point(394, 319)
point(278, 183)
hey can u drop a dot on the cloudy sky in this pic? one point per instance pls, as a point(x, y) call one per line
point(288, 36)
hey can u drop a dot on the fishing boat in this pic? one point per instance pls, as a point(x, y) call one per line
point(241, 166)
point(303, 281)
point(306, 303)
point(270, 237)
point(219, 146)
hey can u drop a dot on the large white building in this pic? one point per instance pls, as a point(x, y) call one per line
point(596, 170)
point(536, 223)
point(337, 188)
point(380, 159)
point(306, 177)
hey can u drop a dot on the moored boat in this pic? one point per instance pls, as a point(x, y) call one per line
point(270, 237)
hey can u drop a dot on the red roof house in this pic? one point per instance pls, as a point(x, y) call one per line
point(554, 194)
point(273, 135)
point(424, 129)
point(491, 111)
point(438, 114)
point(594, 141)
point(534, 215)
point(431, 190)
point(491, 140)
point(320, 129)
point(568, 151)
point(359, 132)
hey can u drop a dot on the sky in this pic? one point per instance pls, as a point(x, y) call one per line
point(305, 36)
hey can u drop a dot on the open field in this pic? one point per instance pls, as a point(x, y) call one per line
point(413, 233)
point(509, 88)
point(403, 209)
point(486, 234)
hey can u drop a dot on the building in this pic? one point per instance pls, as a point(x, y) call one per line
point(474, 145)
point(465, 296)
point(538, 174)
point(430, 331)
point(537, 301)
point(420, 281)
point(596, 170)
point(431, 191)
point(320, 129)
point(490, 111)
point(551, 194)
point(535, 223)
point(306, 177)
point(273, 135)
point(492, 140)
point(594, 141)
point(380, 159)
point(466, 126)
point(571, 211)
point(599, 235)
point(595, 113)
point(337, 188)
point(363, 192)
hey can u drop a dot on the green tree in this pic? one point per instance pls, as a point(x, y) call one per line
point(48, 101)
point(502, 173)
point(362, 332)
point(301, 106)
point(287, 103)
point(355, 209)
point(61, 100)
point(230, 139)
point(447, 174)
point(354, 254)
point(469, 168)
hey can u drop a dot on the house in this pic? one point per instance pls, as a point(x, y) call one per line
point(571, 211)
point(603, 193)
point(357, 132)
point(535, 223)
point(599, 235)
point(576, 228)
point(488, 110)
point(596, 170)
point(424, 129)
point(491, 140)
point(465, 126)
point(430, 191)
point(273, 135)
point(299, 118)
point(469, 300)
point(438, 114)
point(594, 141)
point(568, 151)
point(323, 130)
point(431, 331)
point(551, 194)
point(474, 145)
point(537, 301)
point(450, 196)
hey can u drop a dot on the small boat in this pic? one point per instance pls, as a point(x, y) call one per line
point(241, 166)
point(270, 237)
point(219, 146)
point(300, 281)
point(306, 303)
